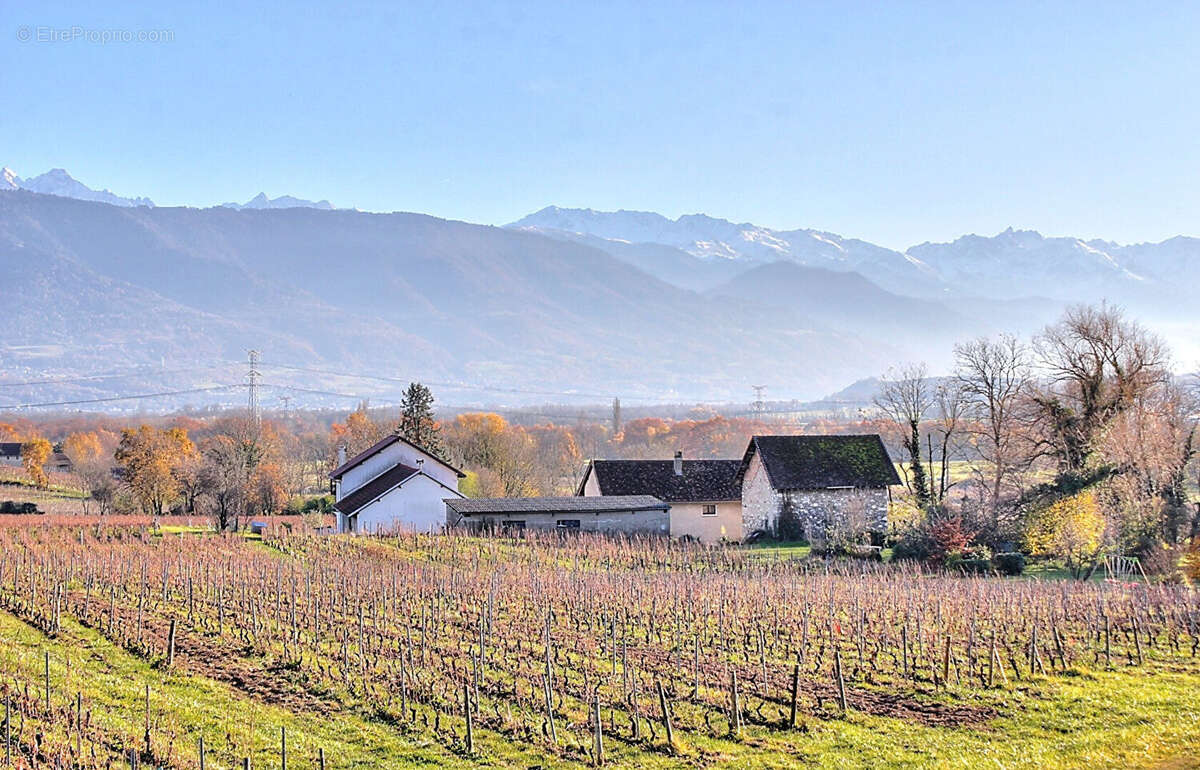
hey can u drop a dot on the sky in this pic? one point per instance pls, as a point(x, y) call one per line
point(897, 123)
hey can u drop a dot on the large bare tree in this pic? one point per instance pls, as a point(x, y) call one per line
point(994, 377)
point(1098, 363)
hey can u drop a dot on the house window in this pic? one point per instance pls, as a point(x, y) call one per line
point(567, 523)
point(708, 510)
point(510, 525)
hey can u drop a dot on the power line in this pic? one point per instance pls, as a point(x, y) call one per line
point(453, 385)
point(134, 397)
point(114, 375)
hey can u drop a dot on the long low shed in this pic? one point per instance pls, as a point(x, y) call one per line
point(618, 514)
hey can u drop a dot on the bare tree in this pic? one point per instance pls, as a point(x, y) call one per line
point(1098, 363)
point(994, 377)
point(950, 407)
point(906, 397)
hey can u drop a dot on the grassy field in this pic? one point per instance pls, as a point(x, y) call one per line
point(267, 647)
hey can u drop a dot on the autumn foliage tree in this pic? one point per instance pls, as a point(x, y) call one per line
point(152, 459)
point(34, 455)
point(1071, 529)
point(91, 456)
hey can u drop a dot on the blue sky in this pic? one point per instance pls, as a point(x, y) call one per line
point(896, 123)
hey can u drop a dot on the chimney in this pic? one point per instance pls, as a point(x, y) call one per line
point(679, 463)
point(341, 455)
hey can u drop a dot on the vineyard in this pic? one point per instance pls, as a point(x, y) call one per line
point(127, 647)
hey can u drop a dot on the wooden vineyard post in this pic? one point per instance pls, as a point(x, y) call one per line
point(1107, 643)
point(735, 720)
point(841, 682)
point(470, 723)
point(201, 752)
point(991, 676)
point(283, 748)
point(321, 759)
point(147, 736)
point(79, 725)
point(599, 738)
point(666, 714)
point(245, 763)
point(795, 695)
point(171, 644)
point(550, 709)
point(946, 663)
point(46, 653)
point(7, 730)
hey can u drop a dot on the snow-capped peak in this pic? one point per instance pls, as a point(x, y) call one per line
point(9, 179)
point(261, 201)
point(58, 182)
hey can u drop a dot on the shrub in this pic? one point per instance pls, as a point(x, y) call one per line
point(976, 566)
point(8, 506)
point(1189, 562)
point(912, 545)
point(1011, 563)
point(948, 537)
point(322, 504)
point(855, 551)
point(978, 552)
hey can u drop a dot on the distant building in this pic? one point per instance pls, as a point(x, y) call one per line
point(58, 462)
point(10, 452)
point(706, 501)
point(618, 514)
point(395, 484)
point(822, 480)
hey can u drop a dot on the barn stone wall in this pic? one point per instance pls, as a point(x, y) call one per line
point(817, 509)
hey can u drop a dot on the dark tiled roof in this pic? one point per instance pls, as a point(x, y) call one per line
point(702, 480)
point(381, 445)
point(502, 505)
point(820, 462)
point(374, 488)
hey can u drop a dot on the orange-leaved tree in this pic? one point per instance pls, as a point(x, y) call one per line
point(34, 454)
point(152, 459)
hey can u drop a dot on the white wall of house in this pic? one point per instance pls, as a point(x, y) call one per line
point(388, 458)
point(689, 520)
point(416, 505)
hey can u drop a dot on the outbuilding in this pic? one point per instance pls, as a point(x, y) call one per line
point(619, 514)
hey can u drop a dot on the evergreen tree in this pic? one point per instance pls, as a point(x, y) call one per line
point(416, 419)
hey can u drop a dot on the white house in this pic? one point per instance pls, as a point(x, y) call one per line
point(393, 485)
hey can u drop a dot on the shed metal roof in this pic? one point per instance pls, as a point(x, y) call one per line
point(552, 505)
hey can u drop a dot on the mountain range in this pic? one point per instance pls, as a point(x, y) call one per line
point(58, 182)
point(562, 305)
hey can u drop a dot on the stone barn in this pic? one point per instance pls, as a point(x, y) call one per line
point(824, 484)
